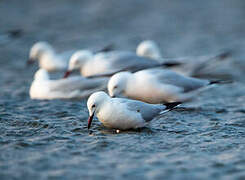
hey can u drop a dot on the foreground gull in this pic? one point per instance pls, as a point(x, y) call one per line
point(202, 66)
point(47, 57)
point(119, 113)
point(71, 88)
point(155, 86)
point(108, 63)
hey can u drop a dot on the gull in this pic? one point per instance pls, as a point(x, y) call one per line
point(149, 49)
point(123, 114)
point(48, 58)
point(71, 88)
point(155, 86)
point(202, 66)
point(108, 63)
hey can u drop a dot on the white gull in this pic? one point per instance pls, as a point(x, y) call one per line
point(149, 49)
point(75, 87)
point(120, 113)
point(48, 58)
point(155, 86)
point(108, 63)
point(202, 66)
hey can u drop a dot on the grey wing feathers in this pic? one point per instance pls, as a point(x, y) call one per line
point(125, 61)
point(77, 83)
point(147, 111)
point(173, 78)
point(128, 61)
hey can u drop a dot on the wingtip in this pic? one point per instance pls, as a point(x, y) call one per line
point(171, 64)
point(172, 105)
point(107, 48)
point(221, 82)
point(225, 54)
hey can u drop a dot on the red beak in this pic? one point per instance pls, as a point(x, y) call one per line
point(67, 74)
point(90, 119)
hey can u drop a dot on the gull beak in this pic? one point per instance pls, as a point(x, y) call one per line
point(90, 119)
point(67, 73)
point(30, 61)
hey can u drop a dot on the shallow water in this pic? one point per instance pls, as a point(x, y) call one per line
point(204, 139)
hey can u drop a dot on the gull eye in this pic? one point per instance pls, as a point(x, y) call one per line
point(93, 106)
point(115, 87)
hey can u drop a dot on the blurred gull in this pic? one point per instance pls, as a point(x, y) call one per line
point(71, 88)
point(149, 49)
point(47, 57)
point(122, 113)
point(50, 60)
point(202, 66)
point(108, 63)
point(155, 86)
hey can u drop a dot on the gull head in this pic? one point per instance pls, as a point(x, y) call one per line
point(78, 59)
point(41, 75)
point(94, 103)
point(38, 49)
point(149, 49)
point(118, 84)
